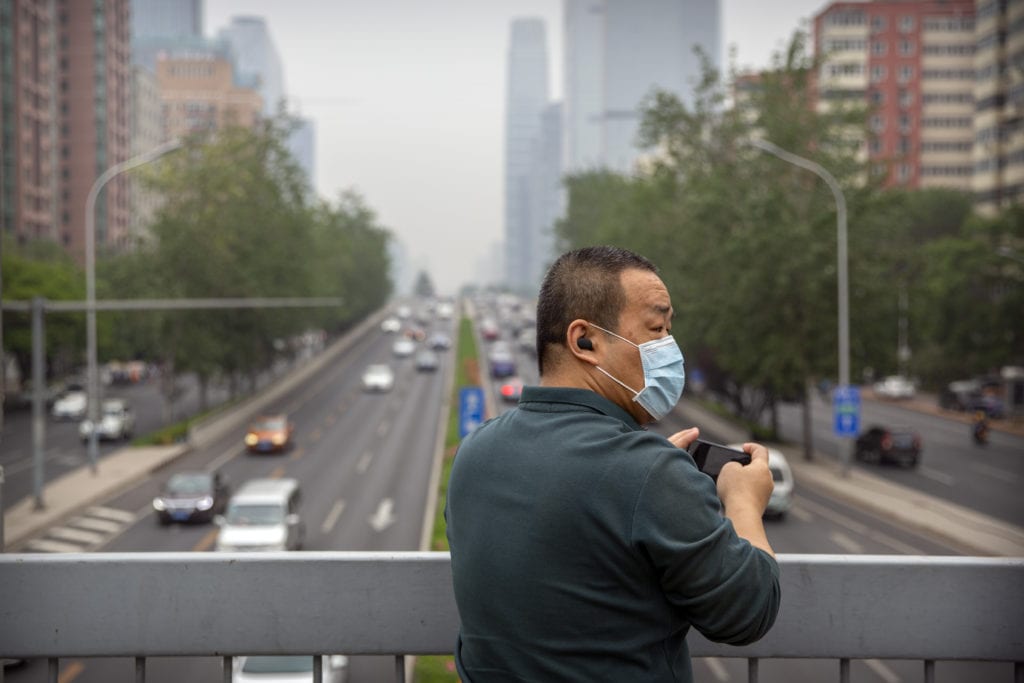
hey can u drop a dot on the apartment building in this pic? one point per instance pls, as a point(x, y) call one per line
point(28, 146)
point(199, 93)
point(998, 153)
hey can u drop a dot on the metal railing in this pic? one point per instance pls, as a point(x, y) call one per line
point(843, 607)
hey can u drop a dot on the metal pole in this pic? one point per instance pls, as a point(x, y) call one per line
point(1, 513)
point(841, 266)
point(92, 408)
point(38, 399)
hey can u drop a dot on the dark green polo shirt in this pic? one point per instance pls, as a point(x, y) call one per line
point(584, 547)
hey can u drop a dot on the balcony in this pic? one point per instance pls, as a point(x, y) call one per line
point(841, 607)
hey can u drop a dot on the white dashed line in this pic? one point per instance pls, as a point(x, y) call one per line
point(332, 517)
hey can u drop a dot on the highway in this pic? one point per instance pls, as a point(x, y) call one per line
point(364, 460)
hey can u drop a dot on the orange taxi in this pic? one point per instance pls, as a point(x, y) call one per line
point(269, 433)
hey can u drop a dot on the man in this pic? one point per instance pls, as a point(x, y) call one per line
point(584, 547)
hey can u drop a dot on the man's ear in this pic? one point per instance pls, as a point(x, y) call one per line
point(580, 345)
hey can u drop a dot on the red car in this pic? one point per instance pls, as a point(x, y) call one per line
point(511, 390)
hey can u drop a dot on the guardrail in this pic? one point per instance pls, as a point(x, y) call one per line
point(307, 603)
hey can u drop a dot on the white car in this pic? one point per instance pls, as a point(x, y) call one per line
point(782, 496)
point(71, 404)
point(378, 377)
point(117, 421)
point(894, 386)
point(403, 347)
point(287, 669)
point(391, 325)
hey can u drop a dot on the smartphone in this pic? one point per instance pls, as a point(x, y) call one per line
point(710, 457)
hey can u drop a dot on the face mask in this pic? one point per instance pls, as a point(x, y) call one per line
point(664, 374)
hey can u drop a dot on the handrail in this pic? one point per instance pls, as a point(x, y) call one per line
point(223, 604)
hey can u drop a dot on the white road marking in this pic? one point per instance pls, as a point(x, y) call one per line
point(217, 462)
point(384, 516)
point(935, 475)
point(884, 672)
point(801, 514)
point(846, 543)
point(861, 529)
point(332, 517)
point(364, 462)
point(995, 472)
point(75, 535)
point(101, 525)
point(717, 668)
point(45, 546)
point(111, 513)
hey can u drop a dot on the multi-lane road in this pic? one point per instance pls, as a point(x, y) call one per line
point(364, 462)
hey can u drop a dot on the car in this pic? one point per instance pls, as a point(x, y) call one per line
point(526, 340)
point(391, 325)
point(489, 329)
point(781, 500)
point(191, 496)
point(262, 515)
point(117, 421)
point(502, 361)
point(427, 361)
point(378, 377)
point(879, 444)
point(439, 341)
point(511, 390)
point(282, 668)
point(894, 387)
point(403, 347)
point(71, 404)
point(270, 433)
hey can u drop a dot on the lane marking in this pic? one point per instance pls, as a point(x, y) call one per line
point(801, 514)
point(861, 529)
point(717, 668)
point(45, 546)
point(884, 672)
point(111, 513)
point(278, 472)
point(845, 542)
point(935, 475)
point(206, 542)
point(101, 525)
point(364, 462)
point(75, 535)
point(995, 472)
point(221, 459)
point(332, 517)
point(72, 671)
point(384, 516)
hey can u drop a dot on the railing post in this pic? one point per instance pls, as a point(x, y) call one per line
point(226, 670)
point(140, 670)
point(400, 668)
point(318, 669)
point(753, 667)
point(844, 670)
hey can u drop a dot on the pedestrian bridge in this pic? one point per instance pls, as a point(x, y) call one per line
point(841, 607)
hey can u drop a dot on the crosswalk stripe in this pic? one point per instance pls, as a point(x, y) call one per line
point(104, 525)
point(111, 513)
point(75, 535)
point(47, 546)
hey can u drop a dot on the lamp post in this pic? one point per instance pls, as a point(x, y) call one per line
point(842, 259)
point(90, 283)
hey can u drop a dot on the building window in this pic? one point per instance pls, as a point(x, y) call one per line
point(906, 48)
point(877, 97)
point(876, 145)
point(904, 123)
point(906, 24)
point(877, 23)
point(879, 47)
point(906, 98)
point(903, 173)
point(904, 145)
point(878, 74)
point(877, 123)
point(906, 73)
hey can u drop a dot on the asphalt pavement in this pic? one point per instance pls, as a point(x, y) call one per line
point(974, 533)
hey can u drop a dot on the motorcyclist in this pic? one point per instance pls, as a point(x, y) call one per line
point(980, 428)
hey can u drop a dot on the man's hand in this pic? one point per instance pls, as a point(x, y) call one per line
point(684, 438)
point(745, 491)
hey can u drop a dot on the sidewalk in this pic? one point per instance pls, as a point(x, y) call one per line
point(971, 531)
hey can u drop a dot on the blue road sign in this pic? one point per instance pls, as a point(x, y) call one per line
point(846, 409)
point(471, 409)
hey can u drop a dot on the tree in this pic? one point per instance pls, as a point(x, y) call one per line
point(424, 286)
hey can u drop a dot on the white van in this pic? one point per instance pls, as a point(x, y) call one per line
point(262, 515)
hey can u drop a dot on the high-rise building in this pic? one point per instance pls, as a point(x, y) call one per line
point(94, 104)
point(616, 53)
point(147, 133)
point(546, 195)
point(200, 94)
point(912, 63)
point(257, 62)
point(998, 153)
point(163, 26)
point(28, 143)
point(525, 100)
point(302, 145)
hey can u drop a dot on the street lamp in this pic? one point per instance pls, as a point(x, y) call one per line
point(90, 283)
point(842, 258)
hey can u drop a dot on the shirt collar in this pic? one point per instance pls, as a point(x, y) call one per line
point(583, 398)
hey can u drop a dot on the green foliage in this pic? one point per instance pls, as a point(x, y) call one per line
point(746, 243)
point(424, 286)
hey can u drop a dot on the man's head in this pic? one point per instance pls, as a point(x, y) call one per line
point(593, 288)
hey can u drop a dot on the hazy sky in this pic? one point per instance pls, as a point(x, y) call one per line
point(408, 100)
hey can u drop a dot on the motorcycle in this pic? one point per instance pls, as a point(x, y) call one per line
point(980, 429)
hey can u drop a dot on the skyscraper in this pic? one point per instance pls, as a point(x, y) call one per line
point(166, 18)
point(616, 53)
point(525, 100)
point(256, 59)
